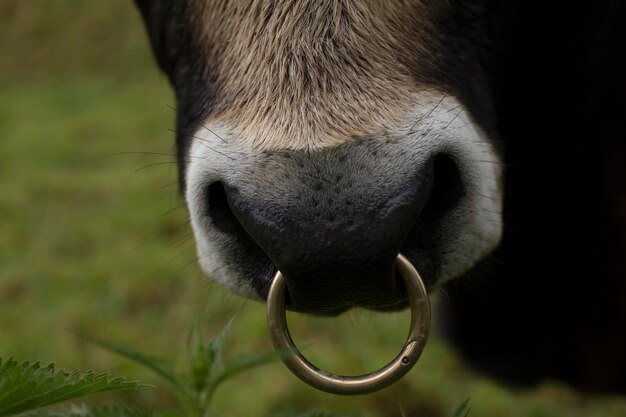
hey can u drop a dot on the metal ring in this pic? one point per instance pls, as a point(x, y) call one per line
point(362, 384)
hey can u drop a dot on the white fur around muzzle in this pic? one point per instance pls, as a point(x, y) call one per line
point(472, 229)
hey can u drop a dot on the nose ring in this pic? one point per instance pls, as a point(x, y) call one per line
point(352, 385)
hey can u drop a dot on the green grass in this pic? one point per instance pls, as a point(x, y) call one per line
point(89, 240)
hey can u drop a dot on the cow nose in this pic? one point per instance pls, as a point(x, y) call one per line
point(337, 258)
point(332, 222)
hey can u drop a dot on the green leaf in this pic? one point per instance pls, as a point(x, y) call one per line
point(205, 357)
point(463, 410)
point(85, 410)
point(401, 410)
point(26, 386)
point(215, 345)
point(156, 364)
point(243, 363)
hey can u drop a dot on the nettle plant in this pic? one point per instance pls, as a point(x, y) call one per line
point(27, 388)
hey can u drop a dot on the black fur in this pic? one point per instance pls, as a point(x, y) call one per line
point(551, 302)
point(175, 46)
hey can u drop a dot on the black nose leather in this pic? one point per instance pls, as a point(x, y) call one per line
point(333, 230)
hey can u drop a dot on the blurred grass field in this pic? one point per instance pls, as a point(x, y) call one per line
point(94, 236)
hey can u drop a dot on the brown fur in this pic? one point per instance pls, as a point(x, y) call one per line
point(311, 73)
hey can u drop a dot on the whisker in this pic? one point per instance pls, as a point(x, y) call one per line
point(426, 115)
point(454, 108)
point(201, 124)
point(192, 262)
point(139, 153)
point(169, 184)
point(209, 284)
point(222, 139)
point(180, 240)
point(179, 206)
point(216, 151)
point(454, 118)
point(488, 161)
point(155, 164)
point(182, 252)
point(434, 119)
point(183, 223)
point(488, 197)
point(203, 142)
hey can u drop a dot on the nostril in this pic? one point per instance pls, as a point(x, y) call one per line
point(219, 210)
point(448, 187)
point(446, 195)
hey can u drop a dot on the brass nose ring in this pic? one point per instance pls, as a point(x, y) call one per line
point(353, 385)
